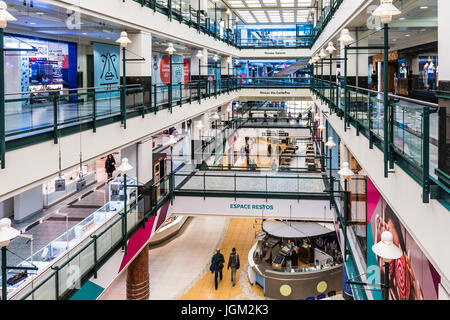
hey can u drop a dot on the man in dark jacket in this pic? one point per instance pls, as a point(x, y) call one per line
point(217, 263)
point(234, 264)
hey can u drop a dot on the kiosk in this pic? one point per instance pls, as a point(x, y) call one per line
point(296, 260)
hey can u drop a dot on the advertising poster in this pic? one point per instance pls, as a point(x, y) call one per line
point(161, 75)
point(106, 69)
point(187, 70)
point(412, 277)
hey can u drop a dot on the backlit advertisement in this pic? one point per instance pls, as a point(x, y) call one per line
point(412, 277)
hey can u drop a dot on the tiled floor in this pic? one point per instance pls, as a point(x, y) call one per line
point(241, 235)
point(178, 264)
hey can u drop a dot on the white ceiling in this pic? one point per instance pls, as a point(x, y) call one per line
point(271, 11)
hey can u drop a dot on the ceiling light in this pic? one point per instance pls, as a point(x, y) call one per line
point(330, 47)
point(123, 40)
point(385, 11)
point(199, 54)
point(5, 16)
point(170, 48)
point(345, 37)
point(216, 57)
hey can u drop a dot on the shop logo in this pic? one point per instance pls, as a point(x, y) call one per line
point(73, 21)
point(109, 71)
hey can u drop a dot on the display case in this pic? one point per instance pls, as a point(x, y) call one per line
point(52, 196)
point(116, 190)
point(60, 247)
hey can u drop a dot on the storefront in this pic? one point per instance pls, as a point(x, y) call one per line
point(53, 66)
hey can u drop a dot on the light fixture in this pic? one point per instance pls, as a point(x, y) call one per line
point(125, 166)
point(237, 19)
point(200, 125)
point(385, 11)
point(216, 57)
point(172, 140)
point(229, 108)
point(7, 233)
point(170, 48)
point(123, 40)
point(330, 47)
point(229, 60)
point(228, 12)
point(322, 54)
point(215, 116)
point(199, 54)
point(386, 249)
point(345, 172)
point(236, 62)
point(5, 16)
point(345, 37)
point(330, 143)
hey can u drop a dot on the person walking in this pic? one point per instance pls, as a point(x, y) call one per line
point(110, 165)
point(233, 263)
point(269, 149)
point(216, 267)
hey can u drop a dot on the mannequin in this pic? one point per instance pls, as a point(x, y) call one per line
point(429, 74)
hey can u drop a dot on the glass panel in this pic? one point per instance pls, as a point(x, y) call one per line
point(47, 291)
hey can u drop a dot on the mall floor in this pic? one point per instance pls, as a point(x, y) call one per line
point(179, 268)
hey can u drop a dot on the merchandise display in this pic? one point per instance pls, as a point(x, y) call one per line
point(52, 196)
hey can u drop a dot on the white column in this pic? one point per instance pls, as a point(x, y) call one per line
point(130, 152)
point(444, 44)
point(204, 62)
point(7, 208)
point(141, 46)
point(145, 160)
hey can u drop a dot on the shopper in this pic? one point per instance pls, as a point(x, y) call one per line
point(216, 267)
point(269, 150)
point(274, 165)
point(110, 165)
point(265, 116)
point(233, 263)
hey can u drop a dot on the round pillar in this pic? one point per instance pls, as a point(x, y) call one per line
point(138, 278)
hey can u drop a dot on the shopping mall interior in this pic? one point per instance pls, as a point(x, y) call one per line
point(224, 150)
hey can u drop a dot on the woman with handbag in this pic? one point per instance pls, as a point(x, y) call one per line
point(234, 264)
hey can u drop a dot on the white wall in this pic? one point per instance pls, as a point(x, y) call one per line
point(444, 44)
point(130, 152)
point(28, 203)
point(145, 161)
point(7, 208)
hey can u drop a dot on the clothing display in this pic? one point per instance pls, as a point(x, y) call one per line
point(429, 74)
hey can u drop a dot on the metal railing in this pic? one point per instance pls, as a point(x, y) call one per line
point(59, 282)
point(412, 129)
point(197, 19)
